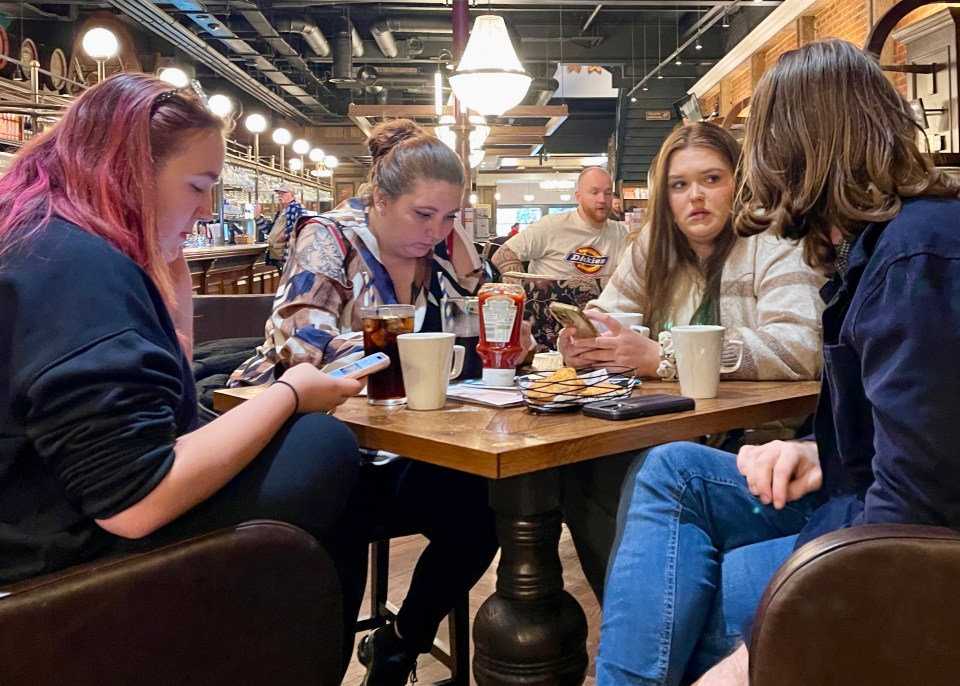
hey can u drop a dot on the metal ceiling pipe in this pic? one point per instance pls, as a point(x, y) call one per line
point(308, 29)
point(383, 29)
point(342, 52)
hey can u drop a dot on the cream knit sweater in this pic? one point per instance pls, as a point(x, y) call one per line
point(769, 299)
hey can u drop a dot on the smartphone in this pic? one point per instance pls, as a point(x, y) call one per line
point(362, 367)
point(570, 315)
point(640, 406)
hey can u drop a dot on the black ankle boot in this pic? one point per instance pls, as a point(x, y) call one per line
point(388, 661)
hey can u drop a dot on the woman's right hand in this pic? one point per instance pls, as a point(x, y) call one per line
point(781, 472)
point(319, 392)
point(619, 346)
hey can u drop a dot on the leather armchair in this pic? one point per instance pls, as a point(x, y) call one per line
point(229, 316)
point(875, 605)
point(255, 604)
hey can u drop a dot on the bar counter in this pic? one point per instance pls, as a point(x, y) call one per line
point(225, 268)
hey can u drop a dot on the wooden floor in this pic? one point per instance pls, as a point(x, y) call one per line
point(403, 555)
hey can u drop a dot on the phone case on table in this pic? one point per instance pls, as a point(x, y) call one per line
point(639, 406)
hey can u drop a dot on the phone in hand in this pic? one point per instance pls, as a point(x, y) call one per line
point(639, 406)
point(570, 315)
point(362, 367)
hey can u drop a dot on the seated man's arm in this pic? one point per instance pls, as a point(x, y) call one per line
point(505, 260)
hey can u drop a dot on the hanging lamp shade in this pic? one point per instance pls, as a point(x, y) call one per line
point(490, 79)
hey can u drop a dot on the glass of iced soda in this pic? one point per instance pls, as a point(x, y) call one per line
point(381, 326)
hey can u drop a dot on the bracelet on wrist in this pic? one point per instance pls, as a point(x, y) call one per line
point(296, 396)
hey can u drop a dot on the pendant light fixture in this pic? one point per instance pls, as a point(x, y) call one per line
point(490, 79)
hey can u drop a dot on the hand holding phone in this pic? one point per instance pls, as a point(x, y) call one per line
point(362, 367)
point(639, 406)
point(570, 315)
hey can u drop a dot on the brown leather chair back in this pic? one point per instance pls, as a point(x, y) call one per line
point(871, 605)
point(256, 604)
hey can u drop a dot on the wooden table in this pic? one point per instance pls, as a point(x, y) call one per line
point(531, 631)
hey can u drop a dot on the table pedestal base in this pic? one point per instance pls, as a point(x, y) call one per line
point(531, 631)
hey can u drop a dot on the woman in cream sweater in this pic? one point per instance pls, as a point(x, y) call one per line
point(688, 267)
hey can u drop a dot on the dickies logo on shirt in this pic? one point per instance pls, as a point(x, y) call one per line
point(587, 259)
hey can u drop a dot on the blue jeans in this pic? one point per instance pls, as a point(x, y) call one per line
point(693, 553)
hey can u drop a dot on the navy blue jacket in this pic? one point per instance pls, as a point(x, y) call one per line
point(889, 411)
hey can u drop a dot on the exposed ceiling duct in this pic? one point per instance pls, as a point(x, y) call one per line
point(305, 27)
point(342, 52)
point(159, 22)
point(313, 36)
point(383, 29)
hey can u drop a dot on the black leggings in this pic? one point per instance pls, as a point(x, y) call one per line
point(304, 476)
point(450, 509)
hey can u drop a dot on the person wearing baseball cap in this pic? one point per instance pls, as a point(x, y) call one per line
point(283, 222)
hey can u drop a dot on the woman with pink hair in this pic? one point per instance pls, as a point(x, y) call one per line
point(99, 447)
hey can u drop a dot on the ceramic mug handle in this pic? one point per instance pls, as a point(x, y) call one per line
point(728, 350)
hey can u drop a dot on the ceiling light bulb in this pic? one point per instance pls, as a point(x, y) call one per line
point(645, 87)
point(281, 136)
point(633, 99)
point(659, 75)
point(255, 123)
point(301, 147)
point(697, 45)
point(565, 197)
point(326, 173)
point(317, 155)
point(496, 196)
point(330, 162)
point(220, 105)
point(295, 164)
point(725, 23)
point(528, 197)
point(473, 198)
point(678, 62)
point(100, 43)
point(175, 77)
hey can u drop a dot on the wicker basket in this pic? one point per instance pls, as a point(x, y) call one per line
point(543, 394)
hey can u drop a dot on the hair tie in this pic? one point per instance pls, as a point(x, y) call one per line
point(296, 396)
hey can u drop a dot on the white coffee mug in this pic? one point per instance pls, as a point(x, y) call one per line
point(699, 349)
point(428, 361)
point(631, 320)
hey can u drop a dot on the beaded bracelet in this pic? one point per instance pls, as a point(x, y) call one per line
point(296, 396)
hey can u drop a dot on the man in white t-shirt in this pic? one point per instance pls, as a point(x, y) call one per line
point(580, 242)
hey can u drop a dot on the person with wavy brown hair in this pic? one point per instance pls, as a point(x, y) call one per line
point(831, 158)
point(687, 266)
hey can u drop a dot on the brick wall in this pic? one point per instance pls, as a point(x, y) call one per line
point(846, 19)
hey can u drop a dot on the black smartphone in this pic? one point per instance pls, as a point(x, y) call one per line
point(640, 406)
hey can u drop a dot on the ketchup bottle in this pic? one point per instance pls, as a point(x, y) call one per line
point(501, 311)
